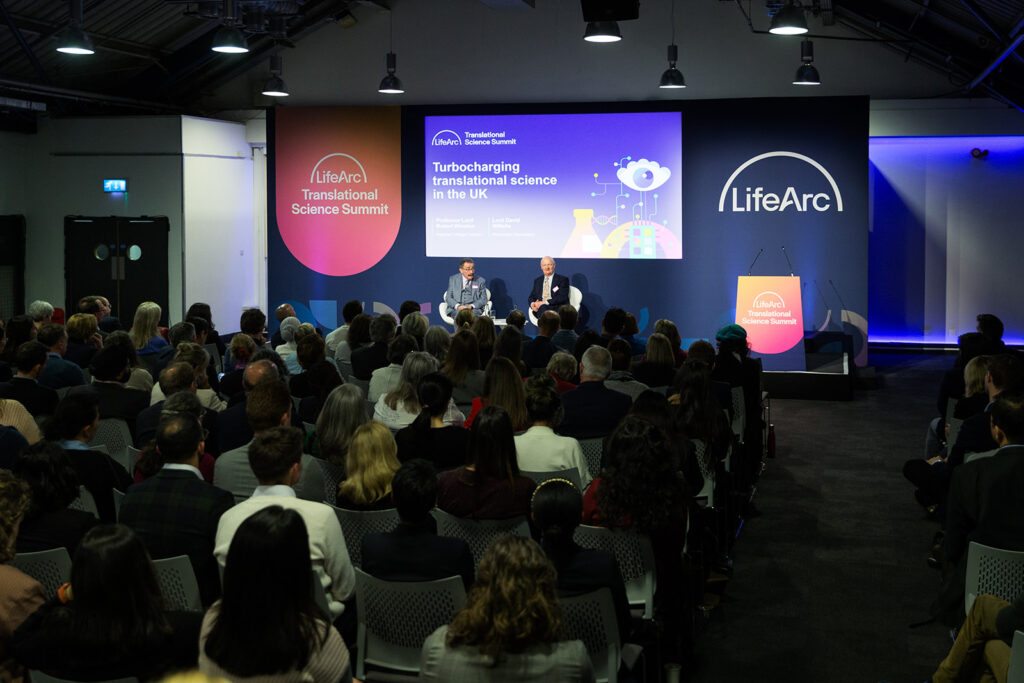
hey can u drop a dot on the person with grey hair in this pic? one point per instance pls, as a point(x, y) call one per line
point(436, 342)
point(562, 367)
point(287, 330)
point(592, 409)
point(40, 311)
point(368, 358)
point(179, 332)
point(343, 411)
point(550, 290)
point(415, 324)
point(399, 407)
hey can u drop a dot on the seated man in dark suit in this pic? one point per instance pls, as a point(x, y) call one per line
point(538, 351)
point(179, 332)
point(175, 512)
point(550, 290)
point(58, 372)
point(24, 388)
point(592, 409)
point(174, 378)
point(414, 551)
point(233, 428)
point(517, 319)
point(368, 358)
point(110, 370)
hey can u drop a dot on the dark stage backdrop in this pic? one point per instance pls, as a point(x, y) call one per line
point(756, 174)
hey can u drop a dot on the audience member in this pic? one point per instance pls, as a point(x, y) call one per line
point(110, 621)
point(232, 425)
point(556, 509)
point(41, 312)
point(179, 332)
point(669, 329)
point(509, 344)
point(503, 387)
point(323, 377)
point(49, 522)
point(463, 368)
point(405, 308)
point(483, 330)
point(252, 322)
point(286, 329)
point(629, 331)
point(436, 342)
point(490, 486)
point(283, 311)
point(385, 379)
point(592, 409)
point(57, 373)
point(562, 367)
point(275, 457)
point(516, 319)
point(565, 338)
point(283, 635)
point(368, 358)
point(348, 312)
point(539, 449)
point(309, 351)
point(370, 464)
point(658, 367)
point(414, 551)
point(73, 426)
point(145, 335)
point(981, 651)
point(621, 378)
point(83, 339)
point(429, 437)
point(18, 330)
point(702, 350)
point(464, 319)
point(357, 337)
point(587, 339)
point(199, 360)
point(24, 387)
point(175, 512)
point(511, 627)
point(992, 327)
point(182, 402)
point(242, 349)
point(415, 324)
point(399, 407)
point(138, 377)
point(18, 429)
point(612, 324)
point(20, 594)
point(538, 351)
point(110, 370)
point(268, 406)
point(344, 411)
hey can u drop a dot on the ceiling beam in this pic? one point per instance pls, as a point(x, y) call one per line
point(25, 47)
point(101, 42)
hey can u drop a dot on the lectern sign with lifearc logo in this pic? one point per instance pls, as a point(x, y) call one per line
point(770, 310)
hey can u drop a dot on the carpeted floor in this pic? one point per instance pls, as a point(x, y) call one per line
point(829, 577)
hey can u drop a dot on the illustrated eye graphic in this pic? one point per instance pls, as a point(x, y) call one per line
point(643, 175)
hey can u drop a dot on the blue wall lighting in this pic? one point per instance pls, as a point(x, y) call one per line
point(115, 185)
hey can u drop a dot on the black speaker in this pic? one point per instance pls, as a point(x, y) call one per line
point(610, 10)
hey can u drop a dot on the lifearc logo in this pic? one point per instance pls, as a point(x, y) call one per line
point(446, 138)
point(756, 199)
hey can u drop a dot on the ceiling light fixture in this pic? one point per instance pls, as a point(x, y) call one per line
point(72, 40)
point(391, 84)
point(229, 39)
point(806, 74)
point(602, 32)
point(789, 20)
point(672, 78)
point(275, 87)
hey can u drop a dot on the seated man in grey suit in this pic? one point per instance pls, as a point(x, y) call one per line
point(466, 290)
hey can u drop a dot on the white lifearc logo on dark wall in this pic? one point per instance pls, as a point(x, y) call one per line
point(756, 199)
point(446, 138)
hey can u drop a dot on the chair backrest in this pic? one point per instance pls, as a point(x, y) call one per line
point(479, 533)
point(133, 458)
point(993, 571)
point(954, 429)
point(309, 427)
point(395, 617)
point(295, 402)
point(85, 502)
point(49, 567)
point(591, 618)
point(950, 408)
point(593, 451)
point(706, 464)
point(635, 558)
point(363, 384)
point(113, 433)
point(215, 357)
point(178, 583)
point(118, 499)
point(1015, 674)
point(355, 524)
point(572, 474)
point(333, 475)
point(40, 677)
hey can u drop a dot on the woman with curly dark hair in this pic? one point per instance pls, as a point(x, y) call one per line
point(697, 412)
point(641, 489)
point(511, 627)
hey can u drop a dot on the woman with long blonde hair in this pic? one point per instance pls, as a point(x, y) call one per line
point(370, 464)
point(145, 336)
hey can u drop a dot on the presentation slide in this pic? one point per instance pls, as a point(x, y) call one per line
point(570, 185)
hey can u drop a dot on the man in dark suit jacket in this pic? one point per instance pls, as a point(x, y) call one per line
point(550, 290)
point(57, 373)
point(24, 388)
point(175, 512)
point(538, 351)
point(414, 551)
point(173, 379)
point(368, 358)
point(233, 428)
point(592, 409)
point(110, 370)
